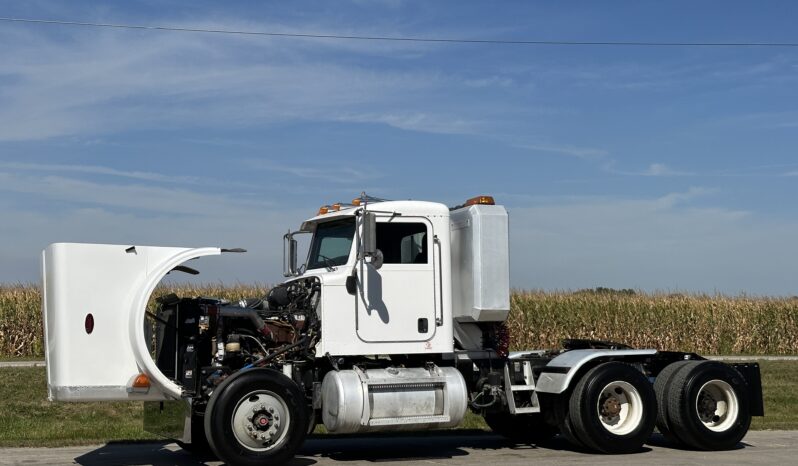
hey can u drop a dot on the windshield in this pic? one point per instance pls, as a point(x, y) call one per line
point(331, 243)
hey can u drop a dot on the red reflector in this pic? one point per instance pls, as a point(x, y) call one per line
point(89, 323)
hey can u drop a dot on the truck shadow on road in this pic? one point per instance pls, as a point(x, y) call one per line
point(342, 448)
point(659, 440)
point(345, 448)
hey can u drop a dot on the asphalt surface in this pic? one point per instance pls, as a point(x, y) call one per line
point(466, 448)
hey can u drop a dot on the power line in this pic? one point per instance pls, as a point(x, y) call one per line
point(403, 39)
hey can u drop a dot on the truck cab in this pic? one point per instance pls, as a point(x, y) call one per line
point(396, 301)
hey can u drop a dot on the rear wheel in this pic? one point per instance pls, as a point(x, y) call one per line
point(708, 406)
point(613, 408)
point(521, 428)
point(662, 389)
point(567, 430)
point(257, 417)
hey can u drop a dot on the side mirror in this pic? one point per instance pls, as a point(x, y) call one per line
point(369, 233)
point(292, 253)
point(289, 255)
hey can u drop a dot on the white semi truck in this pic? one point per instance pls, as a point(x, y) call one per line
point(395, 321)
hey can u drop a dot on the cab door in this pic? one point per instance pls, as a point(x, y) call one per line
point(400, 297)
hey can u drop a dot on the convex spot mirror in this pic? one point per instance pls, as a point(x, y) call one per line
point(377, 259)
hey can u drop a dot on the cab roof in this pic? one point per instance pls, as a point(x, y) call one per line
point(408, 208)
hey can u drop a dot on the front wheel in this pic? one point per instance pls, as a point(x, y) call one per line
point(256, 417)
point(613, 408)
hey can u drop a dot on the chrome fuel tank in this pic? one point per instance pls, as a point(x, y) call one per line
point(393, 399)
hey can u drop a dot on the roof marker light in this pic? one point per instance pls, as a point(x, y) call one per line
point(481, 200)
point(323, 210)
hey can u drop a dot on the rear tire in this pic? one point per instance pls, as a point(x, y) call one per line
point(613, 408)
point(557, 405)
point(708, 406)
point(256, 417)
point(662, 389)
point(522, 428)
point(567, 430)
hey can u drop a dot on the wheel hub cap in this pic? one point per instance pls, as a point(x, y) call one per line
point(260, 421)
point(717, 406)
point(611, 407)
point(620, 407)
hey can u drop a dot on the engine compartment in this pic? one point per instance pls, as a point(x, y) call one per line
point(198, 342)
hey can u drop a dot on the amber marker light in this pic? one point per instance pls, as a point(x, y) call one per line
point(481, 200)
point(323, 210)
point(142, 381)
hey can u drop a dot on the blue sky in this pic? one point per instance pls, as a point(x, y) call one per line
point(651, 168)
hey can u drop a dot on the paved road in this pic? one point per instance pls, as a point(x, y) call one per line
point(443, 448)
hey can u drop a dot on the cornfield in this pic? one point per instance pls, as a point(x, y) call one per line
point(538, 319)
point(699, 323)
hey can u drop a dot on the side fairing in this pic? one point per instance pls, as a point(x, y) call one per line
point(94, 304)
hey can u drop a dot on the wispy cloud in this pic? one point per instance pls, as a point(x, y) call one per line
point(424, 122)
point(660, 169)
point(99, 170)
point(573, 151)
point(655, 169)
point(328, 173)
point(490, 81)
point(672, 199)
point(132, 196)
point(110, 81)
point(664, 243)
point(665, 201)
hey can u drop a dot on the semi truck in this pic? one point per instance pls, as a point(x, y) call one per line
point(394, 320)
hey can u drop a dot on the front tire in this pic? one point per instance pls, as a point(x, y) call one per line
point(613, 408)
point(256, 417)
point(708, 406)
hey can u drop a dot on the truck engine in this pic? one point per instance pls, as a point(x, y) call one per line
point(198, 342)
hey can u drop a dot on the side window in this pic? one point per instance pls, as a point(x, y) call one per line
point(402, 243)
